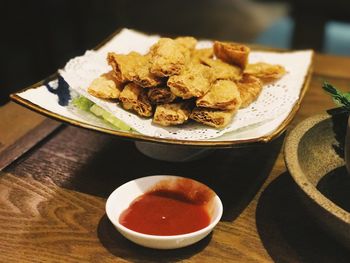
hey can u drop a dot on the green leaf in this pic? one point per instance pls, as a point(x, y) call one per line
point(82, 103)
point(109, 117)
point(87, 105)
point(340, 98)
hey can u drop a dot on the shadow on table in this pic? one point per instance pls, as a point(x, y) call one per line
point(285, 227)
point(121, 247)
point(234, 174)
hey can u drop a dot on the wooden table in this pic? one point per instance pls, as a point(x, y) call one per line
point(52, 198)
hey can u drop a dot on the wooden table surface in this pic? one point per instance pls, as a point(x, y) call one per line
point(52, 198)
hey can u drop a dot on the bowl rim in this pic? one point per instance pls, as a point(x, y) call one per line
point(212, 224)
point(292, 163)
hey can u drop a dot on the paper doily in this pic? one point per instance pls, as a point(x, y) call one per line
point(275, 99)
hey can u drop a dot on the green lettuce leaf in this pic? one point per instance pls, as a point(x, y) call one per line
point(87, 105)
point(82, 103)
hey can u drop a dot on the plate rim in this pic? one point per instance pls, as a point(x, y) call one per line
point(196, 143)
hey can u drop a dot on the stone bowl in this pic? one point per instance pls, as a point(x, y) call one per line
point(314, 156)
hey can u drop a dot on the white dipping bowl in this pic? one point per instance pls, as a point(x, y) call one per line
point(124, 195)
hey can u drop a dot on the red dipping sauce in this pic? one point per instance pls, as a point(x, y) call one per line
point(165, 213)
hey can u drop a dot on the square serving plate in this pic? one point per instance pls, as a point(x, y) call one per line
point(51, 97)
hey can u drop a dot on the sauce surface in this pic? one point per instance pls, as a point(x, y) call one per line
point(165, 213)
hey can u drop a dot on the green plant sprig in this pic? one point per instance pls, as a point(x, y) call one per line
point(340, 98)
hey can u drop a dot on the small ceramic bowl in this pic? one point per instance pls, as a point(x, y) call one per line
point(123, 196)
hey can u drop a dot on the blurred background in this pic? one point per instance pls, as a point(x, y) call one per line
point(38, 37)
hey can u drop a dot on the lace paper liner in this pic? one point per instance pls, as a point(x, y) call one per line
point(275, 99)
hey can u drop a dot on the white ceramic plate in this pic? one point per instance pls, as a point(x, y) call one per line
point(51, 97)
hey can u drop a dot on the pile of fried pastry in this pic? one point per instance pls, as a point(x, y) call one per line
point(175, 82)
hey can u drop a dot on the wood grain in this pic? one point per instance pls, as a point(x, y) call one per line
point(19, 119)
point(27, 141)
point(52, 200)
point(325, 65)
point(90, 166)
point(27, 129)
point(61, 193)
point(41, 222)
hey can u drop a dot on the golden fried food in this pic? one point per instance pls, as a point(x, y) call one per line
point(212, 117)
point(223, 95)
point(249, 88)
point(105, 86)
point(160, 95)
point(222, 70)
point(168, 57)
point(232, 53)
point(188, 42)
point(134, 97)
point(172, 113)
point(174, 71)
point(193, 81)
point(133, 67)
point(203, 53)
point(264, 71)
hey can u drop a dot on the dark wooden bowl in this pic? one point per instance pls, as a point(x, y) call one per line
point(314, 155)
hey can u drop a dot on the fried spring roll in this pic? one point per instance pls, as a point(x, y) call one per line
point(187, 42)
point(106, 86)
point(212, 117)
point(265, 72)
point(133, 67)
point(232, 53)
point(134, 97)
point(249, 87)
point(168, 57)
point(172, 113)
point(203, 53)
point(194, 81)
point(223, 95)
point(222, 70)
point(160, 95)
